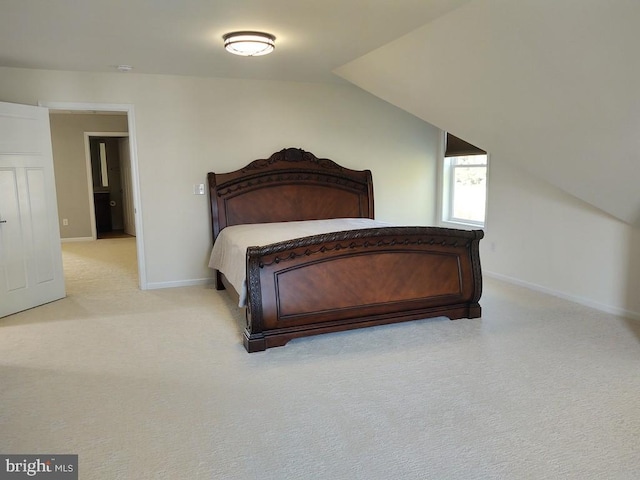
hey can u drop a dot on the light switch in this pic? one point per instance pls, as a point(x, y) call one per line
point(198, 189)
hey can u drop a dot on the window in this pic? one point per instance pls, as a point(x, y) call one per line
point(464, 183)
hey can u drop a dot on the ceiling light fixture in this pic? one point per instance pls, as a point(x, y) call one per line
point(249, 44)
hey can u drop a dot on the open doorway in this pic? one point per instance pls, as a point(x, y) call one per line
point(109, 163)
point(79, 215)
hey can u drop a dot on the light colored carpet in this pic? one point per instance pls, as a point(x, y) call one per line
point(156, 384)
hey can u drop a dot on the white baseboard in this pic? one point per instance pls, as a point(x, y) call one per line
point(77, 239)
point(179, 283)
point(572, 298)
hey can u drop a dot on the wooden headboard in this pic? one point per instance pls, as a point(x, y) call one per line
point(290, 185)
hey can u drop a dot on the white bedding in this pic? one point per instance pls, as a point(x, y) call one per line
point(229, 251)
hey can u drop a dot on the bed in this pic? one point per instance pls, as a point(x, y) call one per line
point(351, 274)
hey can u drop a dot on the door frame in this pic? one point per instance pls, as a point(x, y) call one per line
point(87, 154)
point(135, 177)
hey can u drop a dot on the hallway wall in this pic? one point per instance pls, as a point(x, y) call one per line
point(70, 166)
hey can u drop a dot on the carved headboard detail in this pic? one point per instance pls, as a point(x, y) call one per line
point(290, 185)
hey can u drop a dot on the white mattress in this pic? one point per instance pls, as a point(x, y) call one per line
point(229, 251)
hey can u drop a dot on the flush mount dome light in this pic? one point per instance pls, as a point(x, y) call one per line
point(249, 44)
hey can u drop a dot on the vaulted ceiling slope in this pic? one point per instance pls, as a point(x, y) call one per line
point(551, 85)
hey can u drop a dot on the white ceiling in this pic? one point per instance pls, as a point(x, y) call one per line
point(184, 37)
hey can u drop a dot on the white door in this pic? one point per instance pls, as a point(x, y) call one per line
point(30, 253)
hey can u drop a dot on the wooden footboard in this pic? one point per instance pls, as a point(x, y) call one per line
point(346, 280)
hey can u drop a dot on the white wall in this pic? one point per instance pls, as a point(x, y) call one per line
point(188, 126)
point(543, 238)
point(550, 90)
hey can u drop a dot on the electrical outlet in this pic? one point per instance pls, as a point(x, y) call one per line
point(65, 222)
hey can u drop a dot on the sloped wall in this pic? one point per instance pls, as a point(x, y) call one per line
point(548, 85)
point(550, 90)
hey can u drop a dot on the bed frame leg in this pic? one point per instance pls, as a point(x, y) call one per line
point(254, 343)
point(475, 311)
point(218, 281)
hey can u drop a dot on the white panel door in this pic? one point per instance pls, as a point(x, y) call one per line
point(30, 254)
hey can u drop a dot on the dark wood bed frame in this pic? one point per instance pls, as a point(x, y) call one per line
point(343, 280)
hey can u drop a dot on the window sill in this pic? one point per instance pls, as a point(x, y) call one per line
point(463, 225)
